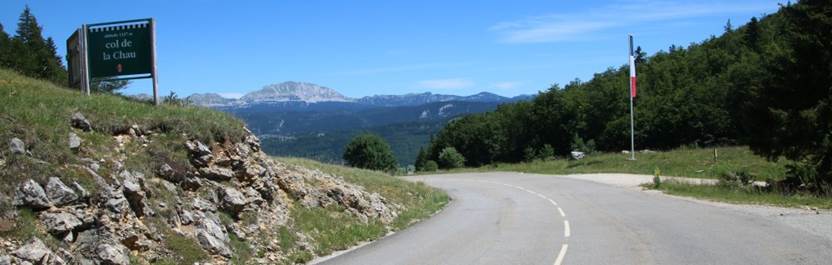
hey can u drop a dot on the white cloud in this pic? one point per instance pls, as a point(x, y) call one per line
point(450, 83)
point(581, 25)
point(507, 85)
point(234, 95)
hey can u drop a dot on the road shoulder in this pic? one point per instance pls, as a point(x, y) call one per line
point(813, 221)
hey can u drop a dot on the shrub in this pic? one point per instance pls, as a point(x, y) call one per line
point(370, 152)
point(578, 144)
point(529, 154)
point(547, 152)
point(430, 166)
point(450, 158)
point(735, 179)
point(657, 179)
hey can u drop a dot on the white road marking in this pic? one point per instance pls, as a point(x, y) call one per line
point(566, 230)
point(561, 255)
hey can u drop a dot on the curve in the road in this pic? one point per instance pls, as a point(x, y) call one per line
point(566, 230)
point(513, 223)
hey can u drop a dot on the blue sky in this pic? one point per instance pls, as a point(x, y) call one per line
point(365, 48)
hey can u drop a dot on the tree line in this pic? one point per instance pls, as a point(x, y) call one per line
point(30, 54)
point(766, 84)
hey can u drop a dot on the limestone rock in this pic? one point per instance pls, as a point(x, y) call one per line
point(200, 153)
point(37, 253)
point(79, 121)
point(113, 199)
point(74, 141)
point(134, 192)
point(203, 205)
point(231, 199)
point(137, 242)
point(16, 146)
point(83, 193)
point(191, 183)
point(166, 172)
point(252, 140)
point(59, 193)
point(112, 254)
point(212, 236)
point(60, 223)
point(252, 169)
point(216, 173)
point(31, 194)
point(186, 217)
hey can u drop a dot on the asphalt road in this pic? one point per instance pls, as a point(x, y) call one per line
point(512, 218)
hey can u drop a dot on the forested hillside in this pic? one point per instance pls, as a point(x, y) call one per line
point(687, 95)
point(766, 83)
point(28, 53)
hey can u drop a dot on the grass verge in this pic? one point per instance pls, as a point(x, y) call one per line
point(742, 195)
point(681, 162)
point(331, 229)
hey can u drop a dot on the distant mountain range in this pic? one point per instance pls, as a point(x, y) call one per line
point(307, 120)
point(312, 93)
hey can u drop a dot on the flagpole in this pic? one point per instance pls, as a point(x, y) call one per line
point(632, 120)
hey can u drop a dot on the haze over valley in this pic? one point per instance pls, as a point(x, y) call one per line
point(307, 120)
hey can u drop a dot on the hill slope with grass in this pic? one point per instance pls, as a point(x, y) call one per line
point(680, 162)
point(107, 180)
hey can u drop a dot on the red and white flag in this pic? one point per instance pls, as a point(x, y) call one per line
point(632, 70)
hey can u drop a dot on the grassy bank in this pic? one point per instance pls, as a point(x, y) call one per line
point(682, 162)
point(332, 229)
point(38, 113)
point(742, 195)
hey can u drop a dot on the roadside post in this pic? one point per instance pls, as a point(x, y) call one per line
point(632, 62)
point(111, 51)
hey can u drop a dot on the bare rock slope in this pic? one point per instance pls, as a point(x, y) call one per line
point(225, 191)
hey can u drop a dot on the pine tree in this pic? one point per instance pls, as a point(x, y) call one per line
point(752, 34)
point(28, 30)
point(421, 158)
point(728, 27)
point(32, 54)
point(5, 47)
point(640, 55)
point(790, 115)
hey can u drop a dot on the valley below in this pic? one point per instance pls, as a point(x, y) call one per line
point(305, 120)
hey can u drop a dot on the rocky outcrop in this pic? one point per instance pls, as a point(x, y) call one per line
point(134, 192)
point(212, 235)
point(35, 252)
point(74, 141)
point(59, 193)
point(216, 173)
point(200, 154)
point(16, 146)
point(109, 254)
point(60, 223)
point(231, 200)
point(80, 122)
point(224, 191)
point(31, 194)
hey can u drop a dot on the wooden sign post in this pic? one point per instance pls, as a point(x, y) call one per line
point(111, 51)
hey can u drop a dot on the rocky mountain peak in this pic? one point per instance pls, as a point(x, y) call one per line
point(209, 99)
point(294, 91)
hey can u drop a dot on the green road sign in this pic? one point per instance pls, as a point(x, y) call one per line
point(120, 50)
